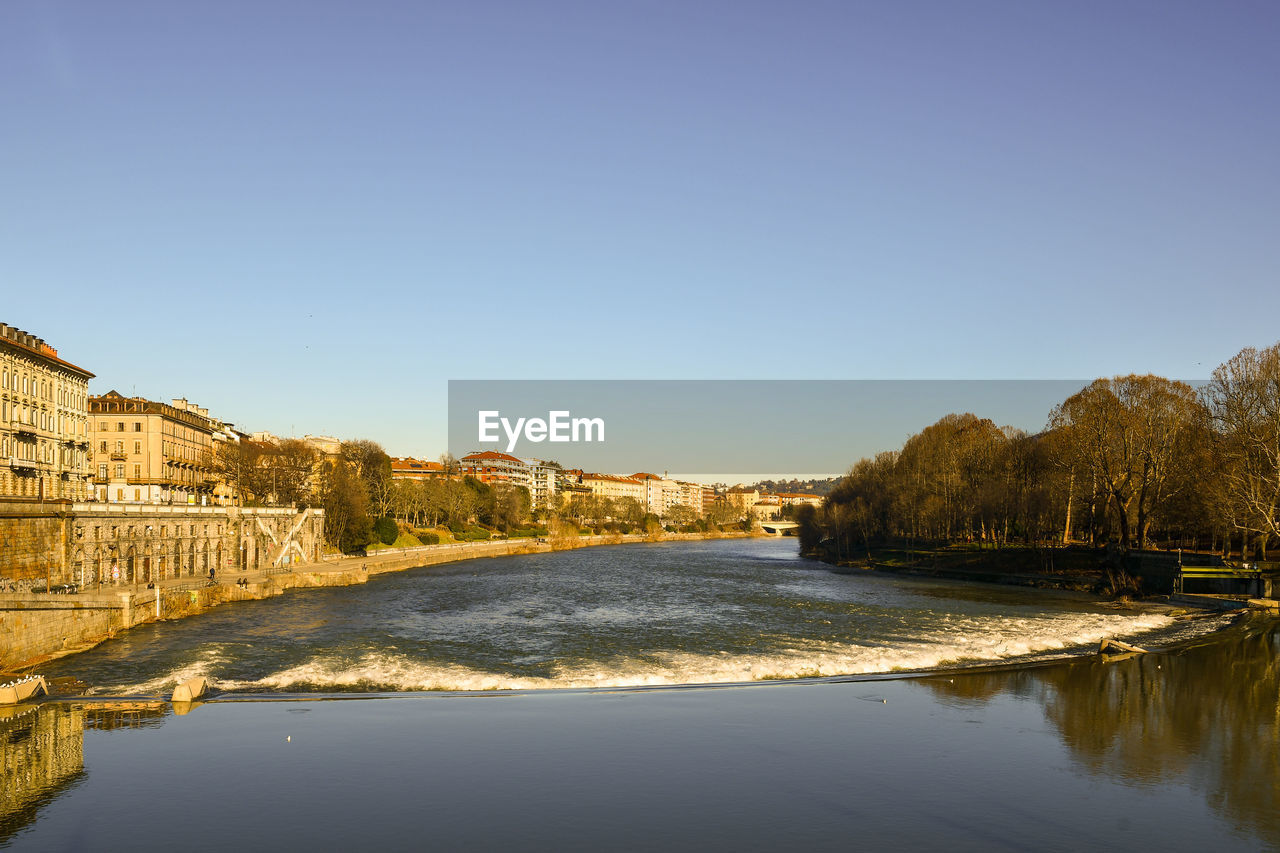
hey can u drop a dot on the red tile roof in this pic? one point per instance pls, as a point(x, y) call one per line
point(611, 477)
point(488, 455)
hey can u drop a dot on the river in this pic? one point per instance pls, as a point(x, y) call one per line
point(646, 614)
point(1174, 750)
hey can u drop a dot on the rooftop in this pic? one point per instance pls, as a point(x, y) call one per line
point(28, 344)
point(490, 455)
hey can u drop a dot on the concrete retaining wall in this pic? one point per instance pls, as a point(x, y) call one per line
point(33, 627)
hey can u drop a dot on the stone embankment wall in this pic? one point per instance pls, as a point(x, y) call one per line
point(33, 542)
point(87, 544)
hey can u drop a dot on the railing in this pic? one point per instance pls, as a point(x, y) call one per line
point(108, 508)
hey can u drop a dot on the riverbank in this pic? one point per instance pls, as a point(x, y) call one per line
point(1070, 569)
point(1073, 569)
point(36, 628)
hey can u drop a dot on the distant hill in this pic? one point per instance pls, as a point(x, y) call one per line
point(808, 487)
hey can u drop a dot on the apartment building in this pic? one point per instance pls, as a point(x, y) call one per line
point(543, 480)
point(614, 486)
point(325, 445)
point(44, 432)
point(150, 452)
point(490, 466)
point(742, 498)
point(794, 498)
point(408, 468)
point(661, 494)
point(767, 508)
point(691, 495)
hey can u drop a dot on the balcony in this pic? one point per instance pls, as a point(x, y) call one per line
point(118, 456)
point(20, 428)
point(24, 465)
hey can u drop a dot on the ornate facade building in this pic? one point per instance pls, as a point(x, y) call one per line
point(43, 423)
point(149, 452)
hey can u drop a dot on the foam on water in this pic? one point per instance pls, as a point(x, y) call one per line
point(204, 665)
point(699, 613)
point(971, 640)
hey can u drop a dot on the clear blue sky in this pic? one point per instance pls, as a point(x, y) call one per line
point(308, 216)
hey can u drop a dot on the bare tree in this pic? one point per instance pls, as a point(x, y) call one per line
point(1132, 431)
point(1243, 399)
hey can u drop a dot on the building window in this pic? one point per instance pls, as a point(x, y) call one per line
point(119, 426)
point(119, 472)
point(137, 426)
point(103, 447)
point(137, 496)
point(137, 447)
point(102, 471)
point(137, 471)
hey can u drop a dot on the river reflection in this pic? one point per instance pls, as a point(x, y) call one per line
point(1178, 750)
point(1209, 715)
point(42, 751)
point(41, 755)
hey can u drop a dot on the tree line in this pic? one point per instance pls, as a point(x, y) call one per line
point(1132, 461)
point(355, 488)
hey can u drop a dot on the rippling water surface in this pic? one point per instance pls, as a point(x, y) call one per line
point(652, 614)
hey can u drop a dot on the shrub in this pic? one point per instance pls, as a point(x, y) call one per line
point(385, 530)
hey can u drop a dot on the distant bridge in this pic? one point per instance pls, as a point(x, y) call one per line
point(777, 528)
